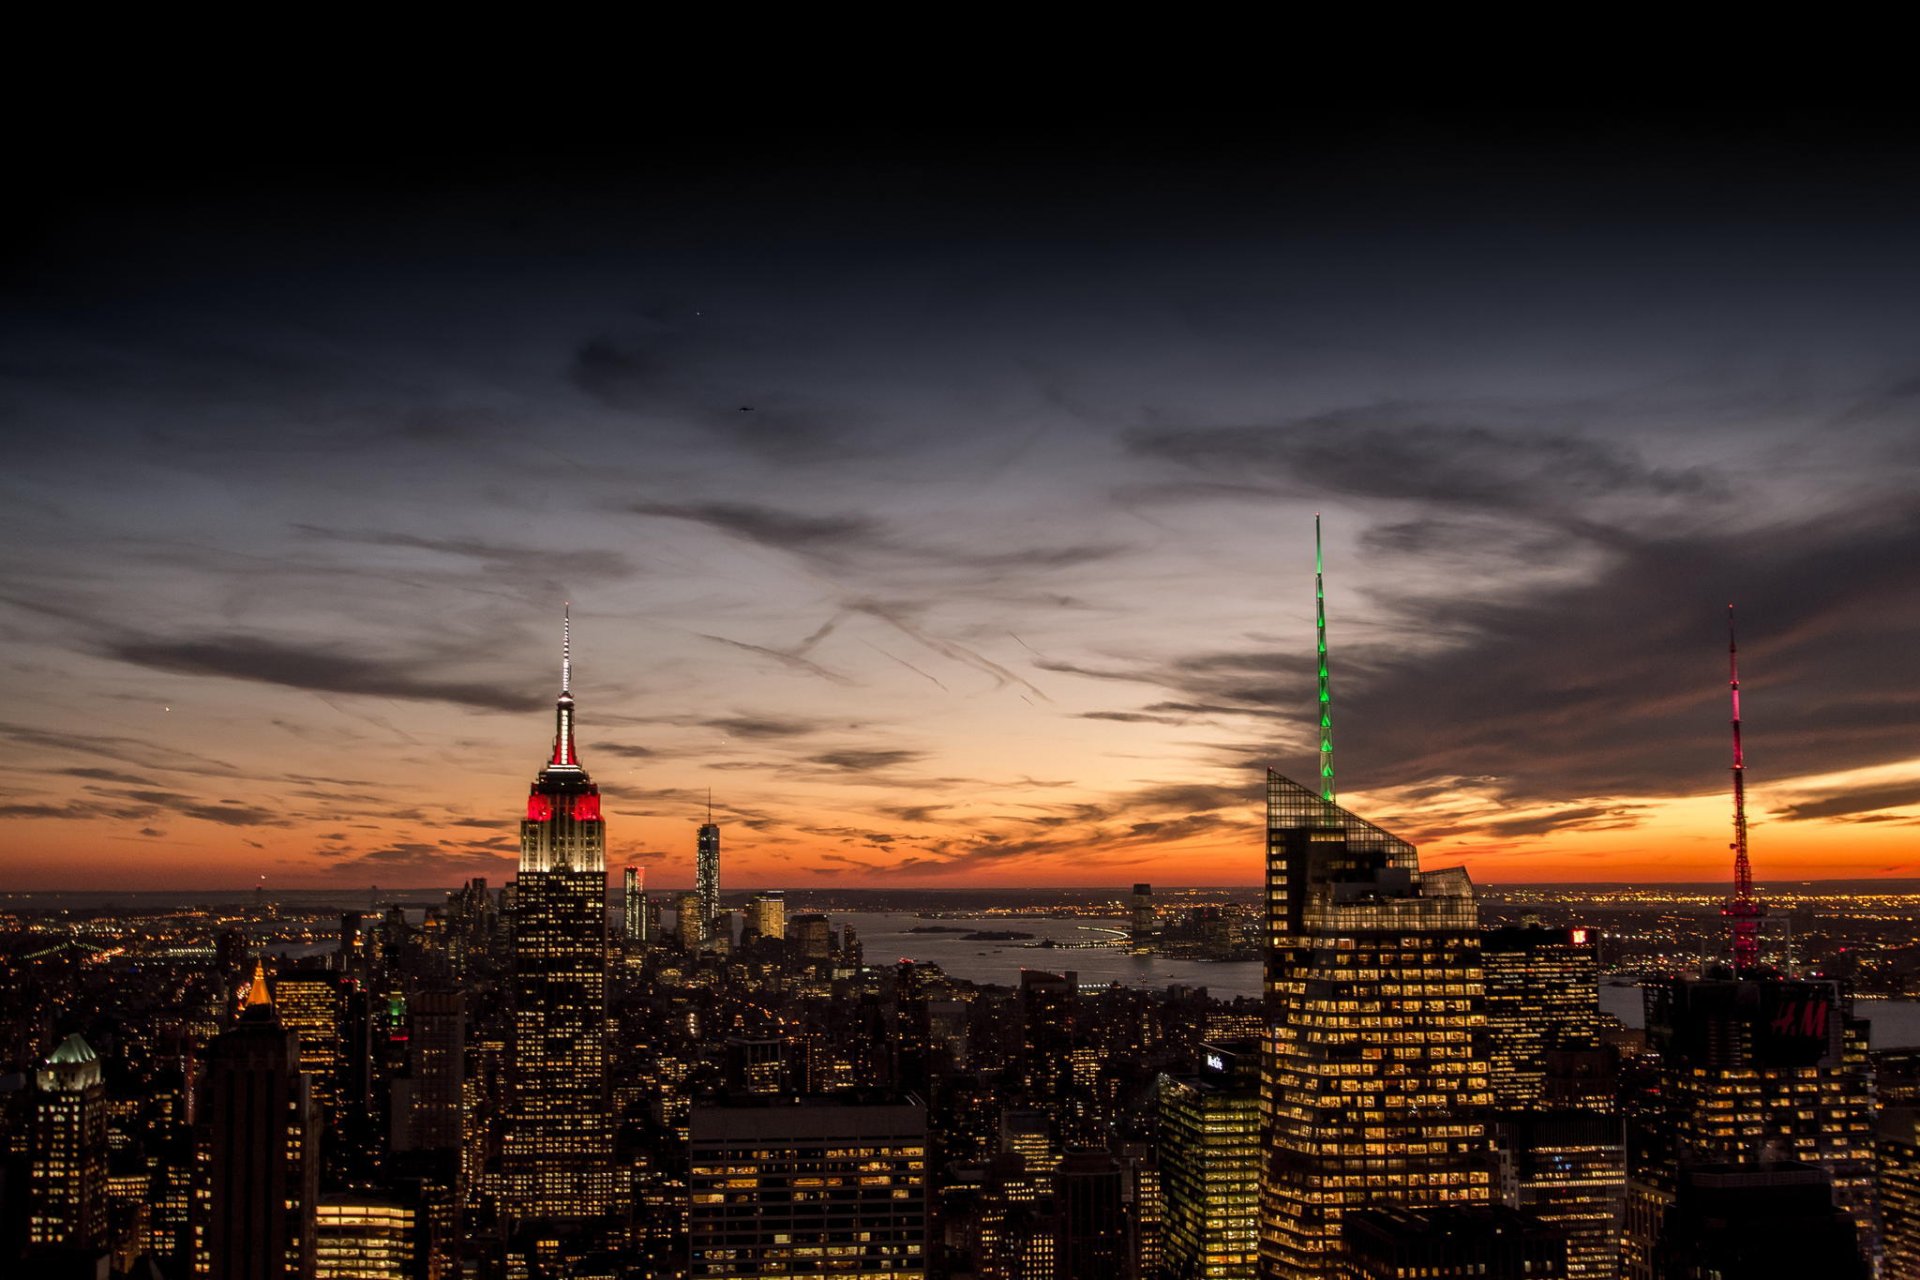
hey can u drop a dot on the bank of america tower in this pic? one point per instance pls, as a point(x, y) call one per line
point(556, 1158)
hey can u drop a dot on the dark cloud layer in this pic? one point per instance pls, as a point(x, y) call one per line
point(311, 668)
point(1389, 451)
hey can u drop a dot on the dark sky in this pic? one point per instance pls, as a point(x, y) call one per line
point(938, 486)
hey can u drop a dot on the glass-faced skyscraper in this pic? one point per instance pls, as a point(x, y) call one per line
point(706, 870)
point(1370, 1080)
point(558, 1140)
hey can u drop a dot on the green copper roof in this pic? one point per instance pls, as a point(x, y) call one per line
point(72, 1052)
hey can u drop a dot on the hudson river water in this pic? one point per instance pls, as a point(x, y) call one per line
point(887, 937)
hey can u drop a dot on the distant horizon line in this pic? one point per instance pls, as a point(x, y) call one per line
point(1126, 888)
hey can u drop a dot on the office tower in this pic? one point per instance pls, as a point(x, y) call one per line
point(634, 906)
point(259, 1168)
point(1752, 1071)
point(813, 1185)
point(706, 865)
point(1210, 1159)
point(1759, 1221)
point(1372, 1086)
point(1390, 1242)
point(812, 937)
point(557, 1138)
point(312, 1005)
point(767, 914)
point(1568, 1169)
point(67, 1178)
point(691, 921)
point(366, 1238)
point(1543, 999)
point(1562, 1150)
point(1094, 1237)
point(1141, 932)
point(1896, 1160)
point(437, 1069)
point(1049, 1010)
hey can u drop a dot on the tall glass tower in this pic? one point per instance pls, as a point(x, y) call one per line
point(556, 1158)
point(706, 869)
point(1371, 1085)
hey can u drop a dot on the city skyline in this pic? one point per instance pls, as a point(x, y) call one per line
point(948, 516)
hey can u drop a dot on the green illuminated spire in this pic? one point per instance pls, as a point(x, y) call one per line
point(1326, 695)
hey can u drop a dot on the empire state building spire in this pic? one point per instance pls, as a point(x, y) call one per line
point(563, 827)
point(565, 756)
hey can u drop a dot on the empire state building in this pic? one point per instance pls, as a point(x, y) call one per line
point(556, 1159)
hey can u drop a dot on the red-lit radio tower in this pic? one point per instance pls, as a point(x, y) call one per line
point(1743, 909)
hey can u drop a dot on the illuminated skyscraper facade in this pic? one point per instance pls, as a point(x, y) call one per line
point(557, 1143)
point(633, 906)
point(1210, 1163)
point(1753, 1072)
point(67, 1180)
point(1372, 1088)
point(1373, 1085)
point(813, 1186)
point(1543, 999)
point(706, 869)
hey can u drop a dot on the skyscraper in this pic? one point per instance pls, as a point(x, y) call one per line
point(706, 867)
point(558, 1140)
point(68, 1176)
point(808, 1186)
point(259, 1153)
point(1371, 1083)
point(634, 906)
point(1752, 1072)
point(1209, 1138)
point(767, 914)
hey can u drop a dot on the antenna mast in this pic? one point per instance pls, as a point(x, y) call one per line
point(1743, 908)
point(1326, 695)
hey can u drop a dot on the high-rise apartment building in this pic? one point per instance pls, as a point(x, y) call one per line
point(815, 1186)
point(67, 1178)
point(1373, 1084)
point(558, 1138)
point(258, 1153)
point(1210, 1162)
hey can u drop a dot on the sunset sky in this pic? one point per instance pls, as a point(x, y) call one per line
point(944, 500)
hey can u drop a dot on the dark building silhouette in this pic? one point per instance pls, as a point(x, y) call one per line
point(1485, 1243)
point(1763, 1221)
point(259, 1153)
point(1752, 1072)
